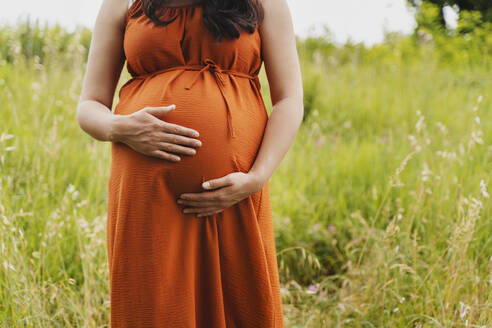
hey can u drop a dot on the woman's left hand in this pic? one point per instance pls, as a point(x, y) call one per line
point(224, 192)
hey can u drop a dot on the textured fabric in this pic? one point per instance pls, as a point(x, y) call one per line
point(168, 268)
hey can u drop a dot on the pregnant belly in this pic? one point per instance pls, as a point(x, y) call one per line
point(202, 108)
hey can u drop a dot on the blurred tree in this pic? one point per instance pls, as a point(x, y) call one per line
point(483, 6)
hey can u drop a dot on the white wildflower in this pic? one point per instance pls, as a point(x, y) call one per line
point(476, 137)
point(446, 155)
point(483, 189)
point(442, 127)
point(7, 265)
point(420, 124)
point(464, 309)
point(426, 173)
point(6, 136)
point(35, 86)
point(476, 202)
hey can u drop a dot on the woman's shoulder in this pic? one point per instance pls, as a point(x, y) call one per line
point(113, 12)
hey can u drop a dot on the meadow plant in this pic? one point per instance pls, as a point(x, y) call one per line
point(381, 207)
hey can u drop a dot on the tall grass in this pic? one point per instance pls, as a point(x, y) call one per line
point(381, 206)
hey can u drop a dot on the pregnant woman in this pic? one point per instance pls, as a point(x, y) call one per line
point(189, 228)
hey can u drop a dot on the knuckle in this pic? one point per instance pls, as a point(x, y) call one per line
point(170, 157)
point(166, 146)
point(166, 127)
point(151, 138)
point(191, 142)
point(145, 139)
point(156, 153)
point(165, 137)
point(174, 149)
point(185, 141)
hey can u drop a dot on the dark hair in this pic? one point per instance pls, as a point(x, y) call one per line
point(224, 18)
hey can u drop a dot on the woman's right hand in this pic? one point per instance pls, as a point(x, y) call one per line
point(144, 132)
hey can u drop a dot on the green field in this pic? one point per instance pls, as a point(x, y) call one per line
point(380, 207)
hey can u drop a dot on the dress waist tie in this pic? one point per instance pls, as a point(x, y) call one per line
point(219, 79)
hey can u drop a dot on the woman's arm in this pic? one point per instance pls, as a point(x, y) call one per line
point(144, 130)
point(285, 81)
point(104, 65)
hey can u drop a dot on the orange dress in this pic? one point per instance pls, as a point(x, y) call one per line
point(173, 269)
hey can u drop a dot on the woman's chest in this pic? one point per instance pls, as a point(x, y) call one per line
point(184, 41)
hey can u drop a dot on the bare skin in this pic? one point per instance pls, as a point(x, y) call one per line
point(143, 130)
point(284, 78)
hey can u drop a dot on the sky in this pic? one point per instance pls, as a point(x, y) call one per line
point(355, 20)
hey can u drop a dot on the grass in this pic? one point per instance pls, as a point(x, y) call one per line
point(381, 208)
